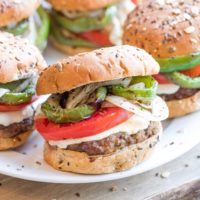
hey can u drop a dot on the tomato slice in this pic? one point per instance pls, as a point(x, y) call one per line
point(193, 72)
point(104, 119)
point(100, 37)
point(134, 1)
point(10, 108)
point(161, 79)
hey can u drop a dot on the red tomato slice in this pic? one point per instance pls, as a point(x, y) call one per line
point(102, 120)
point(134, 1)
point(97, 37)
point(10, 108)
point(161, 79)
point(193, 72)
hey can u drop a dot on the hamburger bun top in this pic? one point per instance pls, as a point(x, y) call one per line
point(96, 66)
point(80, 5)
point(165, 28)
point(18, 58)
point(13, 11)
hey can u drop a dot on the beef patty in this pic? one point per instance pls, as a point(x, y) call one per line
point(182, 93)
point(16, 128)
point(114, 142)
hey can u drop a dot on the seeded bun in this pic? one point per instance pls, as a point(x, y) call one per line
point(69, 50)
point(18, 58)
point(80, 162)
point(165, 29)
point(13, 142)
point(13, 11)
point(80, 5)
point(96, 66)
point(185, 106)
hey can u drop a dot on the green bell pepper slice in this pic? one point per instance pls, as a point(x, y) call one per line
point(11, 85)
point(184, 81)
point(179, 63)
point(14, 98)
point(74, 42)
point(19, 29)
point(55, 113)
point(85, 23)
point(43, 29)
point(134, 92)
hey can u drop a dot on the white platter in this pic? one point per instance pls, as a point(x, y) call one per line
point(180, 135)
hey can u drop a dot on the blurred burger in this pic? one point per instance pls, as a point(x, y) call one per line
point(103, 114)
point(83, 25)
point(20, 64)
point(170, 32)
point(26, 19)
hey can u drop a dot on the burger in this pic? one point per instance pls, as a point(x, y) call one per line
point(103, 114)
point(26, 19)
point(170, 32)
point(79, 26)
point(20, 64)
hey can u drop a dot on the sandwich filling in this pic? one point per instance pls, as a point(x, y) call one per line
point(35, 28)
point(109, 114)
point(92, 29)
point(16, 112)
point(179, 77)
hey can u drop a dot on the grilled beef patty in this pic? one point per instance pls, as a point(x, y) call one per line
point(115, 141)
point(182, 93)
point(16, 128)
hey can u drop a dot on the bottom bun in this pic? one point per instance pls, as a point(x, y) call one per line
point(185, 106)
point(68, 49)
point(13, 142)
point(80, 162)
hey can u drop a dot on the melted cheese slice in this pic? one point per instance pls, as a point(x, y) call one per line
point(131, 126)
point(7, 118)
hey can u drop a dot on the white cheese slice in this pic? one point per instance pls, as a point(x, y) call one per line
point(131, 126)
point(167, 88)
point(7, 118)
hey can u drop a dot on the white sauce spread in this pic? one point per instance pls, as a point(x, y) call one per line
point(7, 118)
point(3, 91)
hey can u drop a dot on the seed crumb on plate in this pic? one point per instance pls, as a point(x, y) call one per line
point(165, 174)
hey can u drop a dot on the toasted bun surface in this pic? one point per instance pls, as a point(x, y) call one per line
point(165, 30)
point(13, 11)
point(185, 106)
point(96, 66)
point(79, 162)
point(13, 142)
point(18, 58)
point(68, 50)
point(80, 5)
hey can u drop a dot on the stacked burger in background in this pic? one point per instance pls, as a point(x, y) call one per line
point(170, 32)
point(79, 26)
point(20, 65)
point(26, 19)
